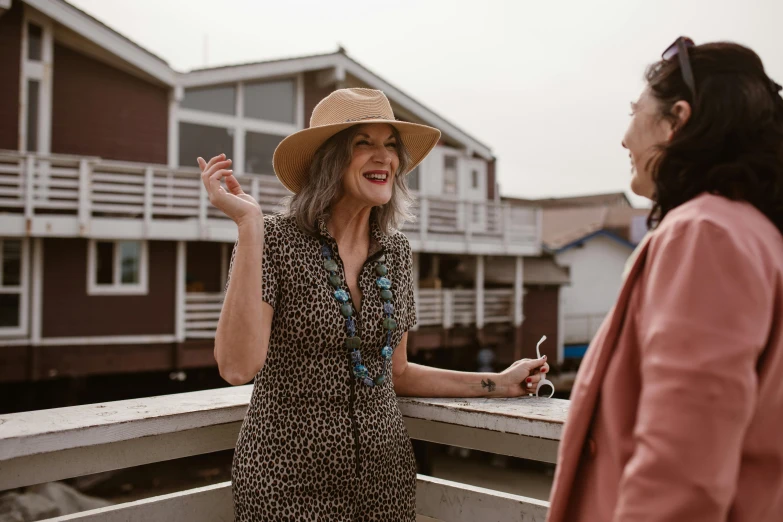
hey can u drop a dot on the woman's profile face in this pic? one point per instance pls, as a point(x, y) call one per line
point(369, 177)
point(646, 130)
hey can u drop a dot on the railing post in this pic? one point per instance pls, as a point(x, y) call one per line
point(424, 215)
point(254, 189)
point(480, 292)
point(29, 172)
point(448, 308)
point(179, 301)
point(148, 198)
point(85, 197)
point(203, 201)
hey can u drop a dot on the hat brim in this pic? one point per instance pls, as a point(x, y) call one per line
point(293, 156)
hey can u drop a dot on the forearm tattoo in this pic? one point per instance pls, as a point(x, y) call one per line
point(489, 384)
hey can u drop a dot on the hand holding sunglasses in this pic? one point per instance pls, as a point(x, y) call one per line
point(545, 388)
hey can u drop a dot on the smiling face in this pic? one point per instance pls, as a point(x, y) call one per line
point(369, 177)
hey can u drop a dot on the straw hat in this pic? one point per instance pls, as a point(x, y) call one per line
point(338, 111)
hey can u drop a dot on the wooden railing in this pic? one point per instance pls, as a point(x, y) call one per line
point(87, 188)
point(49, 445)
point(445, 308)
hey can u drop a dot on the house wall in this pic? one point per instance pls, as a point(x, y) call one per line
point(203, 266)
point(432, 174)
point(10, 71)
point(98, 110)
point(69, 312)
point(596, 275)
point(540, 309)
point(313, 94)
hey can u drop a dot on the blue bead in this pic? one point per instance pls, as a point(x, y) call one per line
point(356, 357)
point(326, 251)
point(388, 308)
point(383, 282)
point(350, 326)
point(341, 295)
point(360, 371)
point(368, 382)
point(387, 352)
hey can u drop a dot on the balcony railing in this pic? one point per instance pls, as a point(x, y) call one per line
point(445, 308)
point(75, 195)
point(49, 445)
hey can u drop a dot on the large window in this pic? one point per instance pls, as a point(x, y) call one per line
point(211, 99)
point(13, 285)
point(449, 174)
point(203, 140)
point(272, 101)
point(413, 178)
point(117, 267)
point(34, 42)
point(259, 149)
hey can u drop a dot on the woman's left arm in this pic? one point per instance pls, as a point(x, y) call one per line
point(703, 320)
point(416, 380)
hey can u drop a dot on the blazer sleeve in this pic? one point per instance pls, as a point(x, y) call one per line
point(702, 323)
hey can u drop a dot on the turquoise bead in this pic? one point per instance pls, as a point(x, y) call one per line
point(346, 310)
point(335, 280)
point(341, 295)
point(386, 295)
point(389, 323)
point(387, 352)
point(330, 265)
point(380, 380)
point(353, 343)
point(360, 371)
point(381, 270)
point(384, 283)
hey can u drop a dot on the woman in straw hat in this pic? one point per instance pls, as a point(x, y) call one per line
point(317, 310)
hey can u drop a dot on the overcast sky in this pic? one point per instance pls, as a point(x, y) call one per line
point(546, 84)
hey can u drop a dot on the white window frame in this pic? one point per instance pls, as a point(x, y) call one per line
point(116, 288)
point(23, 289)
point(236, 123)
point(40, 71)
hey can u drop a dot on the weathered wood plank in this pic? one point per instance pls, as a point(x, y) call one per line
point(435, 499)
point(207, 504)
point(455, 502)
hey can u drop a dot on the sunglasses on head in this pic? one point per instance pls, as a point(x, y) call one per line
point(680, 49)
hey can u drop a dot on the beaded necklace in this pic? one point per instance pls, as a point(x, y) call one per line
point(352, 341)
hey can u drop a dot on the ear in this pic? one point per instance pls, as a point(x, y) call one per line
point(682, 113)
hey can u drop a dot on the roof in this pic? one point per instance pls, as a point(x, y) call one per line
point(564, 227)
point(104, 36)
point(591, 200)
point(545, 271)
point(341, 64)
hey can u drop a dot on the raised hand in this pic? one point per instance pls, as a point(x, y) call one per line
point(233, 202)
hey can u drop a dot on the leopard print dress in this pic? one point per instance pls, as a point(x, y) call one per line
point(316, 444)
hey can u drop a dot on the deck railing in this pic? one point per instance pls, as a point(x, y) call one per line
point(435, 307)
point(49, 445)
point(86, 188)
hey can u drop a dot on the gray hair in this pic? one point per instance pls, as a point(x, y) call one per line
point(324, 184)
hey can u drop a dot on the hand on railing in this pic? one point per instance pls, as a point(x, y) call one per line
point(523, 376)
point(233, 202)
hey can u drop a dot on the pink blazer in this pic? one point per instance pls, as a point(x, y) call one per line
point(677, 411)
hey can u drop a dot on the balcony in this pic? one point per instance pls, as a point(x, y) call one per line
point(434, 307)
point(48, 445)
point(72, 196)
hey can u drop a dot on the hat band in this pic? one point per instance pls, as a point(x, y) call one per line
point(376, 117)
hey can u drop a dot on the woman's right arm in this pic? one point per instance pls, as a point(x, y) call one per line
point(242, 336)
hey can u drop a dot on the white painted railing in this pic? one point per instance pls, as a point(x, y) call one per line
point(434, 308)
point(88, 188)
point(581, 328)
point(49, 445)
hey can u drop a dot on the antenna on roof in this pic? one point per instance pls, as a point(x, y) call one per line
point(341, 49)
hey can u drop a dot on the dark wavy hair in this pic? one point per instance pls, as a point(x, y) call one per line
point(732, 145)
